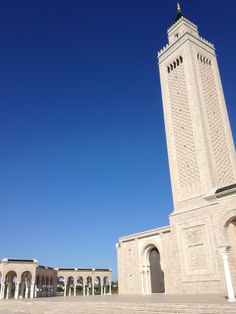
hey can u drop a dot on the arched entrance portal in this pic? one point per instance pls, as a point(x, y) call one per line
point(231, 237)
point(156, 273)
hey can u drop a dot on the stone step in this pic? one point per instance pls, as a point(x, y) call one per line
point(66, 306)
point(171, 308)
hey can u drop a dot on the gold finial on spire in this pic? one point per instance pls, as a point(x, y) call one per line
point(178, 7)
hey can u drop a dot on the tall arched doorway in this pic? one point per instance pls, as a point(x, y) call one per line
point(156, 273)
point(231, 237)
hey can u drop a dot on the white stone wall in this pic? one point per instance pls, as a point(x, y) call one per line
point(189, 251)
point(128, 268)
point(133, 261)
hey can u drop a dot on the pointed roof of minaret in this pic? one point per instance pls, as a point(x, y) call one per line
point(179, 13)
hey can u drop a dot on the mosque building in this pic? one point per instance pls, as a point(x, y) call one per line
point(196, 252)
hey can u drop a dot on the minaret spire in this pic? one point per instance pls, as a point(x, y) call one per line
point(179, 13)
point(178, 7)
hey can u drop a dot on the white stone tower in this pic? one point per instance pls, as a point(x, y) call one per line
point(200, 145)
point(201, 157)
point(203, 177)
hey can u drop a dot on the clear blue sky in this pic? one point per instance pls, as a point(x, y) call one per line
point(83, 155)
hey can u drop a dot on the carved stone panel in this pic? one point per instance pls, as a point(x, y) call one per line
point(195, 246)
point(197, 255)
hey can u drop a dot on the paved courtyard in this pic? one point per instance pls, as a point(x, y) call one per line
point(201, 304)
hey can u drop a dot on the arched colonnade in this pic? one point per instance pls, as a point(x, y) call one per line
point(45, 286)
point(75, 282)
point(23, 279)
point(17, 285)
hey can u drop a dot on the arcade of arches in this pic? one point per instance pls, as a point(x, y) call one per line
point(22, 279)
point(73, 281)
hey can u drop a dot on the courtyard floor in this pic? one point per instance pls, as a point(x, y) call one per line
point(115, 304)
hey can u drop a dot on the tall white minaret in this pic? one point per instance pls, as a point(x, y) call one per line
point(200, 144)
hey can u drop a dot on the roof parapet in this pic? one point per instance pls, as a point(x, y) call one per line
point(160, 52)
point(179, 21)
point(18, 260)
point(207, 42)
point(163, 50)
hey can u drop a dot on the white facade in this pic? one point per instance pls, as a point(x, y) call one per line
point(202, 164)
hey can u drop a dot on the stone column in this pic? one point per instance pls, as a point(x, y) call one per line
point(8, 290)
point(17, 289)
point(109, 287)
point(101, 288)
point(75, 290)
point(147, 272)
point(83, 289)
point(224, 252)
point(2, 290)
point(69, 290)
point(35, 291)
point(32, 290)
point(26, 290)
point(87, 290)
point(65, 286)
point(21, 290)
point(92, 288)
point(147, 282)
point(142, 282)
point(39, 294)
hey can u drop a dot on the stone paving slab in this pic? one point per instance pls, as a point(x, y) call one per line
point(150, 304)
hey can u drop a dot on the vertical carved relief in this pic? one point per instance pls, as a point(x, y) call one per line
point(184, 145)
point(215, 122)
